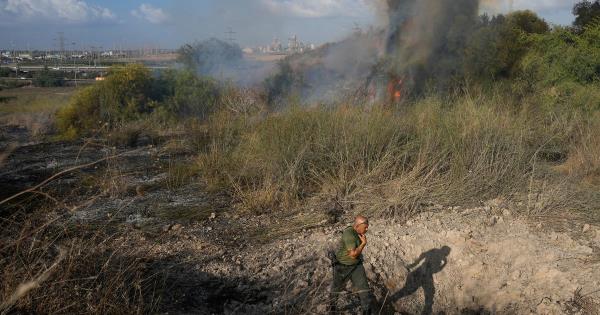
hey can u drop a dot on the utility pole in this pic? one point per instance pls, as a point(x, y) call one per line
point(230, 33)
point(61, 44)
point(356, 29)
point(75, 70)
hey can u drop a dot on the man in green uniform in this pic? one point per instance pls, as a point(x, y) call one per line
point(349, 264)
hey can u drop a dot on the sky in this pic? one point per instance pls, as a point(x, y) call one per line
point(35, 24)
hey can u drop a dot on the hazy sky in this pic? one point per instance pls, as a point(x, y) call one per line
point(170, 23)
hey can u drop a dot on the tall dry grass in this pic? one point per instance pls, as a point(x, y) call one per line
point(51, 266)
point(33, 108)
point(462, 150)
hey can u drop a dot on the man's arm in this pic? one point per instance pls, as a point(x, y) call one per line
point(354, 253)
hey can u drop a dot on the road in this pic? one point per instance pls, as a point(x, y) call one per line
point(71, 68)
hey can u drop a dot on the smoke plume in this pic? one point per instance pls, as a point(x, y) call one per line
point(423, 38)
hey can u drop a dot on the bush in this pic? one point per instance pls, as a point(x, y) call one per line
point(189, 94)
point(562, 56)
point(5, 72)
point(131, 93)
point(47, 78)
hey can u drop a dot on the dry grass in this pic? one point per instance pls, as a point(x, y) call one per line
point(392, 162)
point(33, 108)
point(51, 266)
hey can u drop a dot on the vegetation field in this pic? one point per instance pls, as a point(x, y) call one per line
point(514, 122)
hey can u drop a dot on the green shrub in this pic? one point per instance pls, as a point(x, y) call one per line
point(125, 95)
point(131, 93)
point(47, 78)
point(189, 94)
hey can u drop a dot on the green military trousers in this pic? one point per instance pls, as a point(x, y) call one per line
point(355, 273)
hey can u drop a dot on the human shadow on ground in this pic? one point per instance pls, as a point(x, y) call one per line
point(433, 261)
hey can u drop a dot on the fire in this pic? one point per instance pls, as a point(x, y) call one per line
point(395, 86)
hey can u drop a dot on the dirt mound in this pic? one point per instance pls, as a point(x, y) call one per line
point(475, 261)
point(478, 260)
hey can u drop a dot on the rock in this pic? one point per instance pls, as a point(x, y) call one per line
point(212, 215)
point(586, 227)
point(208, 228)
point(321, 309)
point(585, 249)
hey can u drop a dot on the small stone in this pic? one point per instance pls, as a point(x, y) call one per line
point(208, 228)
point(321, 309)
point(585, 249)
point(586, 227)
point(212, 215)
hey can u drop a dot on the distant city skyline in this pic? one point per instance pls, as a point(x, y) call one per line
point(134, 24)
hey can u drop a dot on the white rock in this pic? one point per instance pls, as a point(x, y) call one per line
point(586, 227)
point(212, 215)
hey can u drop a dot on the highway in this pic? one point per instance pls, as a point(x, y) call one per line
point(71, 68)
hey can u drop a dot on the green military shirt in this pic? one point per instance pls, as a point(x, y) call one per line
point(350, 241)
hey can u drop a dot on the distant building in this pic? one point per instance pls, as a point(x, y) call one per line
point(294, 46)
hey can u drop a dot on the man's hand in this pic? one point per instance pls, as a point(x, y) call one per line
point(363, 239)
point(354, 253)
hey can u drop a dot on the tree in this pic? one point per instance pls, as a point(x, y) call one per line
point(47, 78)
point(528, 22)
point(211, 56)
point(498, 45)
point(585, 12)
